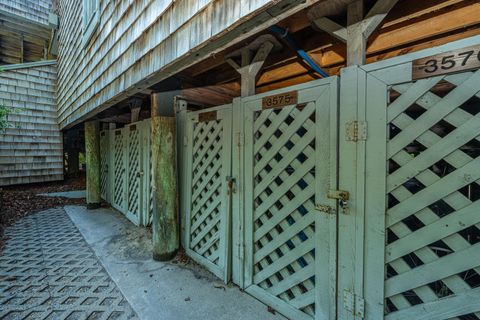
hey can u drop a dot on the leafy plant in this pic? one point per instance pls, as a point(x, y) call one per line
point(4, 113)
point(4, 121)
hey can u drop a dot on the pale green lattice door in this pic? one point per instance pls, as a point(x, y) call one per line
point(208, 166)
point(290, 164)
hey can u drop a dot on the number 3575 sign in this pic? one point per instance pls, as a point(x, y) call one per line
point(448, 62)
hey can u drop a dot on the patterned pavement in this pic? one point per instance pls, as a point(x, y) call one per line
point(48, 271)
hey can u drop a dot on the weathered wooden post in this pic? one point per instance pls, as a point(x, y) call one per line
point(92, 157)
point(165, 204)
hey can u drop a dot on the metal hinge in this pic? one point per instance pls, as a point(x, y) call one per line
point(185, 141)
point(325, 208)
point(241, 138)
point(354, 304)
point(356, 131)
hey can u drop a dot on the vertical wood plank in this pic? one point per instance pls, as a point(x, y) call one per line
point(347, 223)
point(238, 214)
point(375, 197)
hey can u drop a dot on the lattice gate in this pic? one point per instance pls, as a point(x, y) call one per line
point(290, 164)
point(119, 190)
point(128, 185)
point(135, 172)
point(208, 165)
point(104, 164)
point(423, 151)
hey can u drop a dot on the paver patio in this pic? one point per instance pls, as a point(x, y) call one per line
point(48, 271)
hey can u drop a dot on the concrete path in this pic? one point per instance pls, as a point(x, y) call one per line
point(48, 271)
point(163, 291)
point(77, 194)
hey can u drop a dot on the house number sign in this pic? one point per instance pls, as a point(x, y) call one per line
point(280, 100)
point(448, 62)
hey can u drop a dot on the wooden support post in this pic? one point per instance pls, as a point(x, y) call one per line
point(359, 27)
point(135, 108)
point(92, 157)
point(249, 68)
point(356, 38)
point(165, 199)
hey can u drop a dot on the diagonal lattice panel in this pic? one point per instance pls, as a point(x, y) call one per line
point(433, 226)
point(104, 152)
point(119, 170)
point(205, 218)
point(284, 190)
point(134, 172)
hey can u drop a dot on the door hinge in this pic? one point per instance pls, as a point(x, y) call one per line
point(185, 141)
point(354, 304)
point(325, 208)
point(240, 139)
point(356, 131)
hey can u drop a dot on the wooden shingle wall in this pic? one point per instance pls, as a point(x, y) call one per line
point(138, 43)
point(31, 150)
point(34, 10)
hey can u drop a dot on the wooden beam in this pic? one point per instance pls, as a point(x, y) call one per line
point(165, 228)
point(249, 68)
point(441, 22)
point(92, 157)
point(212, 95)
point(332, 28)
point(359, 30)
point(376, 15)
point(355, 12)
point(135, 105)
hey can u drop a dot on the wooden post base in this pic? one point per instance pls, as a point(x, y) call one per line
point(165, 226)
point(165, 256)
point(93, 206)
point(92, 157)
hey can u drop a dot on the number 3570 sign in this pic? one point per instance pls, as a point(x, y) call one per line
point(448, 62)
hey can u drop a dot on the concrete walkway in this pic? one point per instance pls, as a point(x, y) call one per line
point(48, 271)
point(163, 291)
point(77, 194)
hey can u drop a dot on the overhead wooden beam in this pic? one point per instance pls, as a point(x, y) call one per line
point(332, 28)
point(376, 15)
point(359, 28)
point(214, 95)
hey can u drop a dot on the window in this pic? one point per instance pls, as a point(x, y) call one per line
point(91, 17)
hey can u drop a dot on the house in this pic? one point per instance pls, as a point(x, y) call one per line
point(322, 155)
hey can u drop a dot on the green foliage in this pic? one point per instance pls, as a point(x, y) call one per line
point(4, 112)
point(4, 122)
